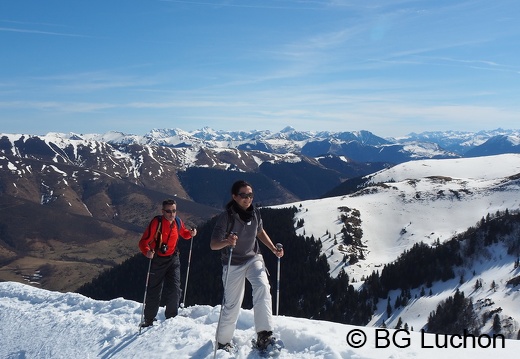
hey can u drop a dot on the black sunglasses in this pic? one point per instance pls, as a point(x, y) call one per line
point(170, 210)
point(246, 195)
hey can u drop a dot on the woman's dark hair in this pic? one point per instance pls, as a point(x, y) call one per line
point(235, 189)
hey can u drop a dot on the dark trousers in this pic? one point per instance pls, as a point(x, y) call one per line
point(165, 281)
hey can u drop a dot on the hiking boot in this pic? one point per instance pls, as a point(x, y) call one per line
point(147, 323)
point(265, 338)
point(227, 347)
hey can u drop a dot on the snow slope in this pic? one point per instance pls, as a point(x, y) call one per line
point(424, 201)
point(35, 323)
point(416, 201)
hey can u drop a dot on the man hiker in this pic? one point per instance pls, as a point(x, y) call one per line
point(159, 244)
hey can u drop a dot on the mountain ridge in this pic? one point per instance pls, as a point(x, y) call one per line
point(290, 140)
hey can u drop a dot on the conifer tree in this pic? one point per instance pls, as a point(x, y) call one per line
point(497, 326)
point(389, 308)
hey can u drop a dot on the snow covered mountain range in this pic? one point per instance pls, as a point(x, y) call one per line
point(305, 165)
point(357, 145)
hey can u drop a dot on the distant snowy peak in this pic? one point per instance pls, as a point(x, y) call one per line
point(496, 145)
point(458, 141)
point(515, 140)
point(426, 150)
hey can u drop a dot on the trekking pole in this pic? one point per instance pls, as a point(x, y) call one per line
point(223, 302)
point(279, 247)
point(187, 275)
point(145, 291)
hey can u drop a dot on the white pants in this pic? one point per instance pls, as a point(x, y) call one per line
point(254, 271)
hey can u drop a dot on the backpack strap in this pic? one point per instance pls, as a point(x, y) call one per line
point(258, 215)
point(258, 219)
point(158, 233)
point(231, 220)
point(229, 227)
point(179, 223)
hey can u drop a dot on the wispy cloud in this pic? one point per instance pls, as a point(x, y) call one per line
point(57, 106)
point(80, 82)
point(477, 64)
point(40, 32)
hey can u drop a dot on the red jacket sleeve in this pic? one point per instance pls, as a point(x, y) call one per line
point(184, 232)
point(147, 241)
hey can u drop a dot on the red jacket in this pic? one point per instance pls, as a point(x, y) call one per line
point(169, 233)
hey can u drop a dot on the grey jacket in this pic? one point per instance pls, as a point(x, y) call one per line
point(247, 244)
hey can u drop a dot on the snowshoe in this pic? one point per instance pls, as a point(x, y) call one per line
point(267, 345)
point(228, 347)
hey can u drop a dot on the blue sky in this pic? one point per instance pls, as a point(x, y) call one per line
point(387, 66)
